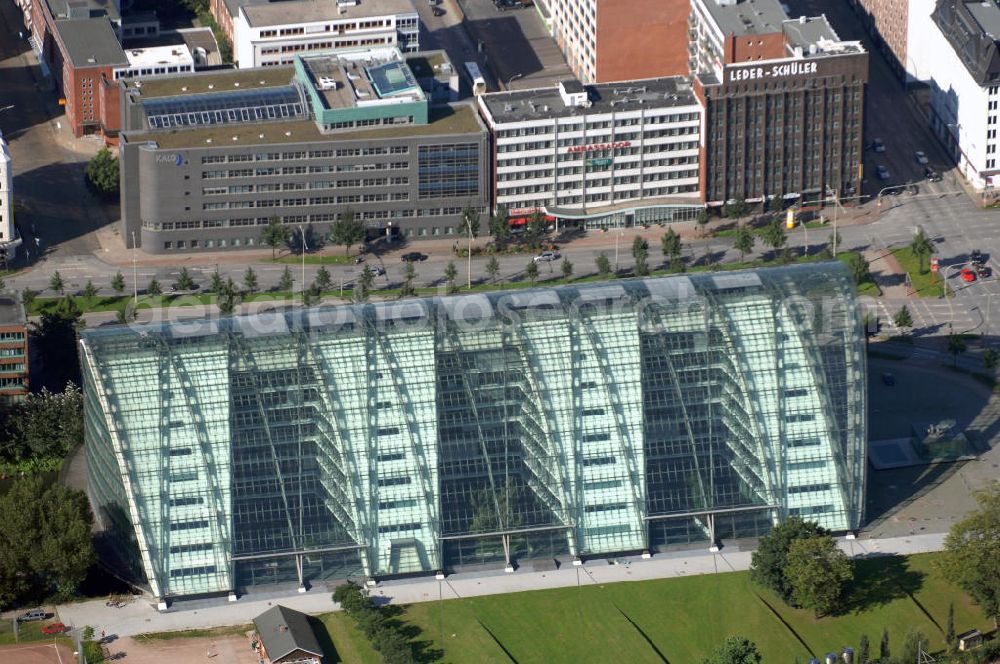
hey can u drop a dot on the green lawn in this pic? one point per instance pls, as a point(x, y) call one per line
point(335, 259)
point(29, 631)
point(923, 283)
point(351, 645)
point(680, 619)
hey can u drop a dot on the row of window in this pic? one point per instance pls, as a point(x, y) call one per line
point(303, 154)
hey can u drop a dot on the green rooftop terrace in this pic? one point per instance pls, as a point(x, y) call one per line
point(444, 120)
point(169, 86)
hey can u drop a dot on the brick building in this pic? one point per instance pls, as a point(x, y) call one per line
point(13, 348)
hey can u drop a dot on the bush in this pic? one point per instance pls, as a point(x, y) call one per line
point(385, 637)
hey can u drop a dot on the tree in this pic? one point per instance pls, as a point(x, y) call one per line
point(770, 560)
point(450, 272)
point(903, 319)
point(184, 280)
point(323, 279)
point(640, 252)
point(90, 290)
point(28, 296)
point(971, 558)
point(154, 287)
point(227, 297)
point(990, 359)
point(744, 241)
point(118, 282)
point(274, 235)
point(44, 538)
point(956, 346)
point(250, 280)
point(285, 283)
point(55, 337)
point(703, 218)
point(46, 425)
point(913, 644)
point(492, 268)
point(56, 282)
point(860, 271)
point(216, 285)
point(883, 648)
point(365, 282)
point(921, 247)
point(101, 174)
point(818, 572)
point(603, 265)
point(348, 230)
point(776, 203)
point(535, 228)
point(125, 313)
point(500, 227)
point(832, 242)
point(773, 235)
point(671, 245)
point(864, 650)
point(409, 275)
point(737, 209)
point(735, 650)
point(567, 269)
point(531, 271)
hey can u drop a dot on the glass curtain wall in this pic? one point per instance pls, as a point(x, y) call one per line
point(409, 437)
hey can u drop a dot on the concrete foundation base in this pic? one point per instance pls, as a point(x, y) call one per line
point(371, 583)
point(646, 555)
point(851, 536)
point(509, 569)
point(439, 576)
point(233, 597)
point(302, 589)
point(577, 561)
point(714, 548)
point(161, 606)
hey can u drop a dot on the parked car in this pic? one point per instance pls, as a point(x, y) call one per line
point(931, 174)
point(921, 157)
point(968, 274)
point(888, 379)
point(438, 11)
point(377, 270)
point(878, 145)
point(977, 257)
point(54, 628)
point(913, 189)
point(546, 256)
point(983, 271)
point(882, 172)
point(413, 256)
point(34, 614)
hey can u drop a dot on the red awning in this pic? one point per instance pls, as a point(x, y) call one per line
point(521, 221)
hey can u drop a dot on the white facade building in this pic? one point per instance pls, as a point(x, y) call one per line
point(8, 237)
point(607, 155)
point(156, 61)
point(274, 33)
point(959, 60)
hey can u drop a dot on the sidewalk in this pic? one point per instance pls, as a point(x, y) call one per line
point(140, 616)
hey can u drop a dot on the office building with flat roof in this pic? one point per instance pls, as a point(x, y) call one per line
point(618, 40)
point(958, 62)
point(209, 159)
point(420, 435)
point(13, 348)
point(265, 33)
point(784, 103)
point(614, 154)
point(9, 238)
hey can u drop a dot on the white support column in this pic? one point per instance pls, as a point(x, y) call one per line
point(713, 543)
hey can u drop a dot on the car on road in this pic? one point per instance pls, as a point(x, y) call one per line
point(413, 257)
point(921, 157)
point(878, 145)
point(976, 257)
point(546, 257)
point(377, 270)
point(968, 274)
point(888, 379)
point(34, 614)
point(504, 5)
point(882, 172)
point(931, 174)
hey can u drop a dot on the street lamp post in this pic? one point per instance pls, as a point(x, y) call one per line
point(302, 231)
point(135, 280)
point(468, 226)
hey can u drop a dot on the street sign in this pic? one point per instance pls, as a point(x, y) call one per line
point(934, 267)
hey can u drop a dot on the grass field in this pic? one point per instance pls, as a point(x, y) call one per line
point(923, 283)
point(676, 620)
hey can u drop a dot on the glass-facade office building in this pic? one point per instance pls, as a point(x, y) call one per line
point(420, 435)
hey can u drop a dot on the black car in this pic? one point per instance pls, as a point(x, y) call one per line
point(413, 256)
point(504, 5)
point(931, 174)
point(976, 257)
